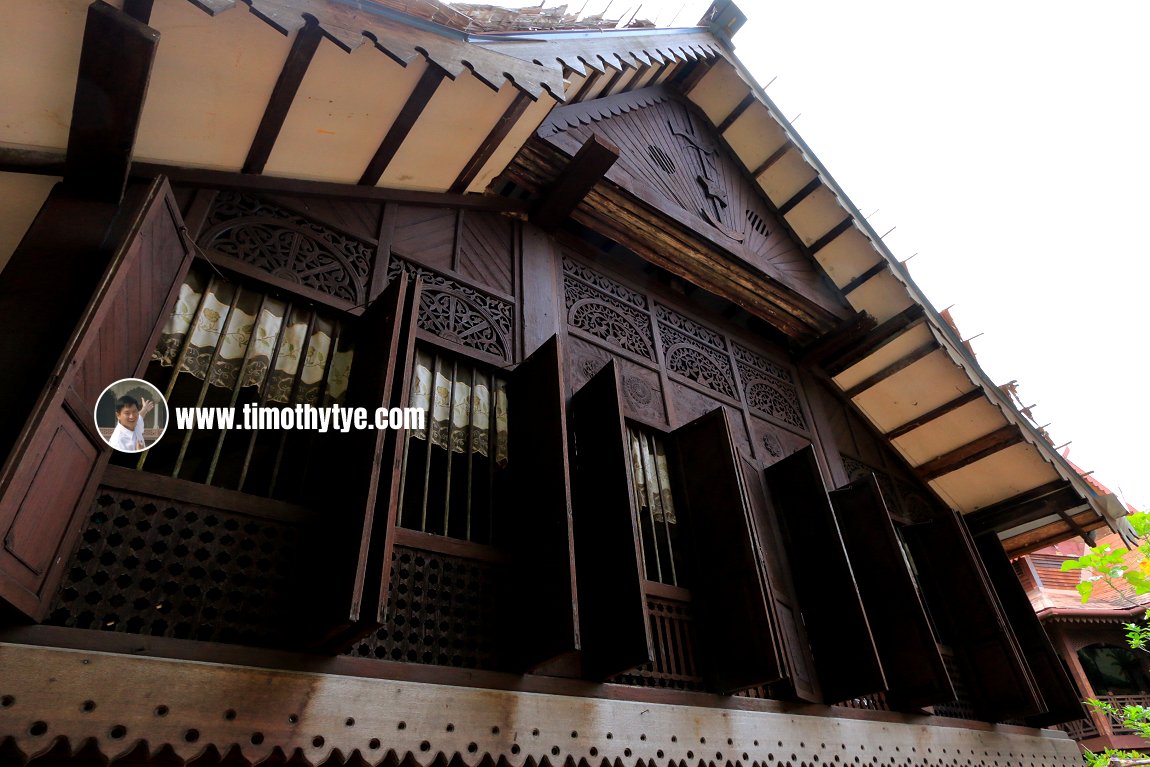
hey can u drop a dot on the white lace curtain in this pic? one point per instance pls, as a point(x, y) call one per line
point(230, 336)
point(650, 476)
point(466, 407)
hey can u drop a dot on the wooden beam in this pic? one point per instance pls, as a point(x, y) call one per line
point(800, 195)
point(499, 132)
point(218, 179)
point(636, 78)
point(416, 102)
point(140, 10)
point(614, 80)
point(876, 339)
point(934, 415)
point(776, 155)
point(848, 333)
point(1024, 507)
point(864, 278)
point(737, 112)
point(997, 440)
point(900, 364)
point(830, 236)
point(115, 67)
point(586, 87)
point(299, 58)
point(586, 168)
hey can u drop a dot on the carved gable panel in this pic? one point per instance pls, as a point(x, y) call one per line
point(670, 155)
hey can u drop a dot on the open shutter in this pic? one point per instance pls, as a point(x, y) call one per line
point(50, 476)
point(612, 605)
point(348, 591)
point(915, 672)
point(731, 590)
point(539, 517)
point(970, 619)
point(832, 608)
point(790, 631)
point(1059, 698)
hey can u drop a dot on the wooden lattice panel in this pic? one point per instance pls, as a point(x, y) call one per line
point(441, 610)
point(161, 567)
point(673, 633)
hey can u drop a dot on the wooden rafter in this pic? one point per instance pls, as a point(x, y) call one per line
point(983, 447)
point(901, 364)
point(1025, 507)
point(737, 112)
point(882, 335)
point(938, 412)
point(491, 143)
point(115, 67)
point(774, 157)
point(299, 58)
point(586, 168)
point(418, 100)
point(800, 195)
point(831, 235)
point(864, 278)
point(140, 10)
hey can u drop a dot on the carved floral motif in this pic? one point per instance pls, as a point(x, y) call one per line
point(607, 310)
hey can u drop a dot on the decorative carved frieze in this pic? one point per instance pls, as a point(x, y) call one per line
point(460, 314)
point(695, 352)
point(607, 310)
point(768, 387)
point(288, 246)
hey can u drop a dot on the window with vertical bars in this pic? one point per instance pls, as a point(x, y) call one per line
point(228, 344)
point(659, 529)
point(454, 467)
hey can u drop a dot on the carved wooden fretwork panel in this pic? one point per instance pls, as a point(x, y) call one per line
point(695, 352)
point(607, 310)
point(642, 392)
point(288, 246)
point(903, 499)
point(460, 314)
point(675, 666)
point(162, 567)
point(441, 610)
point(769, 387)
point(668, 148)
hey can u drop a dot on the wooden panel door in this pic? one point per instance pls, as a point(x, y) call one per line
point(1059, 698)
point(970, 619)
point(356, 481)
point(829, 596)
point(915, 673)
point(51, 473)
point(801, 679)
point(609, 567)
point(734, 597)
point(539, 520)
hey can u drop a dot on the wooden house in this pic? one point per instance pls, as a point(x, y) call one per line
point(704, 480)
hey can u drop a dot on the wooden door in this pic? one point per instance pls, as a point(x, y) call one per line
point(51, 474)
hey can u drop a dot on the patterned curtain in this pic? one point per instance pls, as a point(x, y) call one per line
point(650, 477)
point(462, 402)
point(231, 335)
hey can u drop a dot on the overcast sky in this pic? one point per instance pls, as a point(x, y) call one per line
point(1008, 143)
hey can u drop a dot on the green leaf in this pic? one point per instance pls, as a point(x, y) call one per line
point(1085, 589)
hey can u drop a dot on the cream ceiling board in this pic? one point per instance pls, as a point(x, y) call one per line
point(816, 215)
point(528, 123)
point(454, 124)
point(847, 256)
point(646, 78)
point(341, 113)
point(211, 81)
point(599, 85)
point(786, 177)
point(902, 398)
point(719, 91)
point(22, 195)
point(41, 43)
point(882, 297)
point(1001, 475)
point(957, 428)
point(755, 135)
point(573, 82)
point(667, 73)
point(628, 75)
point(889, 354)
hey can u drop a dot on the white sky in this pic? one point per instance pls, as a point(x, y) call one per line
point(1009, 144)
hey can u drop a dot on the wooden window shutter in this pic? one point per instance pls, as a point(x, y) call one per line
point(1060, 700)
point(964, 605)
point(348, 592)
point(828, 594)
point(915, 673)
point(731, 590)
point(791, 634)
point(51, 474)
point(612, 605)
point(538, 522)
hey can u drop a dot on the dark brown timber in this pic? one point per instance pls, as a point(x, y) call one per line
point(962, 399)
point(585, 170)
point(499, 132)
point(988, 445)
point(875, 339)
point(418, 100)
point(874, 380)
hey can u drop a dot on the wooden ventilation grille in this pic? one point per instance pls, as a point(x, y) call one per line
point(673, 633)
point(441, 610)
point(661, 158)
point(961, 707)
point(146, 565)
point(757, 223)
